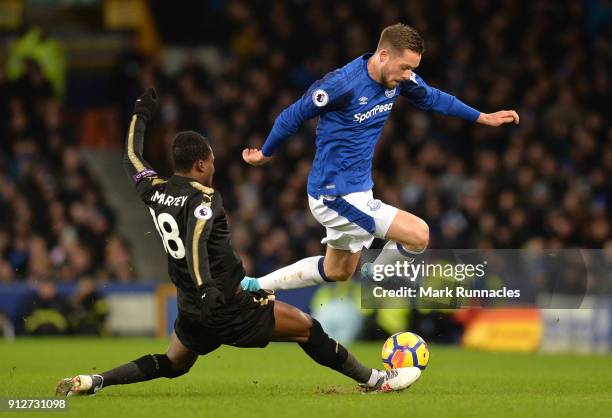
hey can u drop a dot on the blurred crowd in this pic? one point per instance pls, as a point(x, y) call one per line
point(542, 184)
point(54, 222)
point(51, 312)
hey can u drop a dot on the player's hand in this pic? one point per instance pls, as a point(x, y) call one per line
point(498, 118)
point(212, 298)
point(254, 156)
point(146, 105)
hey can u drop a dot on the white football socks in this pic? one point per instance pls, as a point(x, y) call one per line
point(306, 272)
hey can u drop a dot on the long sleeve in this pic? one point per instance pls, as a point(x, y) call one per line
point(322, 96)
point(285, 125)
point(424, 97)
point(201, 216)
point(136, 167)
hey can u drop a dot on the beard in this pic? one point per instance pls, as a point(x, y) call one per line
point(387, 82)
point(390, 84)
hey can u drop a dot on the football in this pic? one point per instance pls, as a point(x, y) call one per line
point(405, 349)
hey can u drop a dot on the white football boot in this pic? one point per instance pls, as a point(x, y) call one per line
point(82, 384)
point(394, 380)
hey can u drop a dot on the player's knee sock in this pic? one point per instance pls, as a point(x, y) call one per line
point(145, 368)
point(306, 272)
point(394, 251)
point(332, 354)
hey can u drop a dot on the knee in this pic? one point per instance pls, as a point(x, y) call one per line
point(338, 274)
point(422, 235)
point(412, 232)
point(419, 237)
point(305, 338)
point(314, 332)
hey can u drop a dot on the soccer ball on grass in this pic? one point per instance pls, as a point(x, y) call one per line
point(405, 349)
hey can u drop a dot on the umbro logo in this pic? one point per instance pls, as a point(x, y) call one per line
point(363, 100)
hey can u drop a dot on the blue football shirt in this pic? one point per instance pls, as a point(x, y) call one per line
point(352, 110)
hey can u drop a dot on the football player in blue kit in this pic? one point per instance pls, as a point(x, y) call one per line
point(353, 103)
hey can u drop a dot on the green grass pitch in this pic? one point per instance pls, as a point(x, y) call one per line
point(281, 381)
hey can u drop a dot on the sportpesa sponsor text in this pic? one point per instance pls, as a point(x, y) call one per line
point(360, 117)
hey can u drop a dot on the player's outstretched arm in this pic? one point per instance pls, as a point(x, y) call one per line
point(321, 97)
point(498, 118)
point(134, 163)
point(424, 97)
point(136, 167)
point(285, 125)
